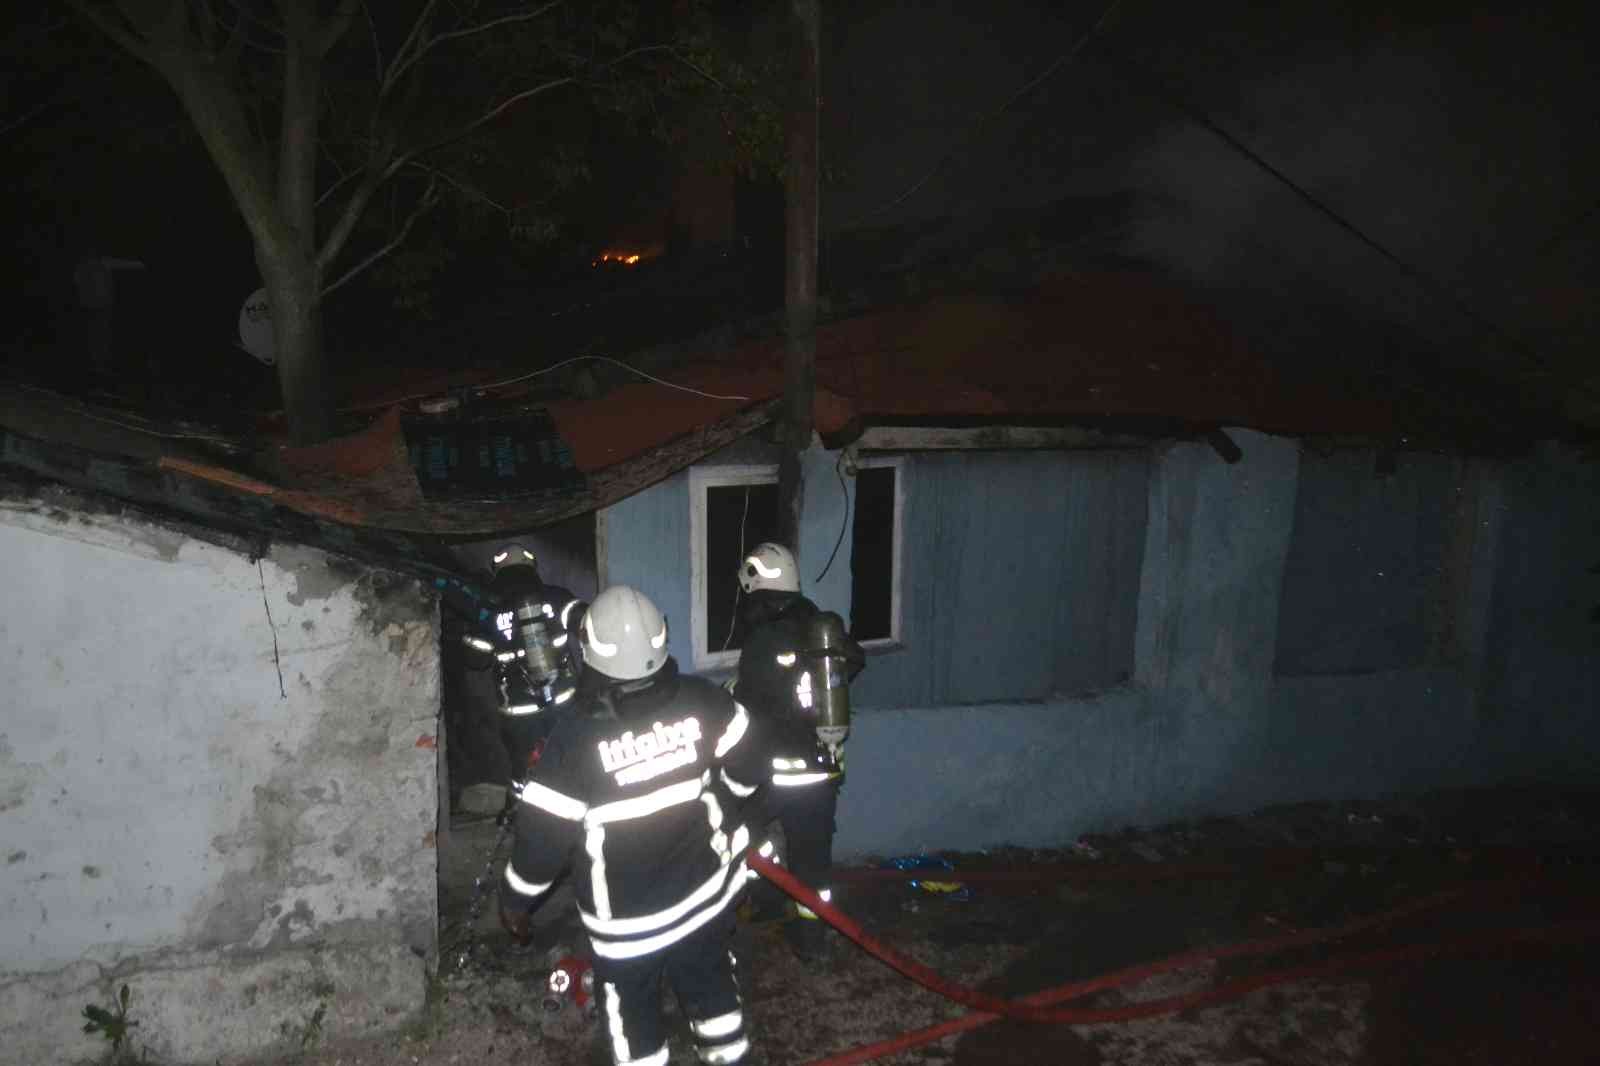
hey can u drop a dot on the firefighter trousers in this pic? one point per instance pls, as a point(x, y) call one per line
point(700, 969)
point(806, 813)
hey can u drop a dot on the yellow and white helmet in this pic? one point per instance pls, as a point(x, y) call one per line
point(624, 635)
point(769, 566)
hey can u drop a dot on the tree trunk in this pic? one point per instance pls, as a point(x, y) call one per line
point(296, 302)
point(294, 280)
point(284, 246)
point(800, 275)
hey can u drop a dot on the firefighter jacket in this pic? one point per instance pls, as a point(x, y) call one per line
point(642, 794)
point(771, 661)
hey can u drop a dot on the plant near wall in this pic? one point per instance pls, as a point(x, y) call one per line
point(116, 1027)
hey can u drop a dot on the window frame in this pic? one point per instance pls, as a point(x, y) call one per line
point(896, 638)
point(701, 480)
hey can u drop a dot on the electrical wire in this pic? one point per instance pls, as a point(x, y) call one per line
point(146, 430)
point(1154, 85)
point(738, 587)
point(842, 525)
point(547, 370)
point(625, 366)
point(973, 130)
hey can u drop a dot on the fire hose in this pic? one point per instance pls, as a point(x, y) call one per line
point(1045, 1006)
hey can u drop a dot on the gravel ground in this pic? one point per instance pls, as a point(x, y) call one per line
point(1014, 939)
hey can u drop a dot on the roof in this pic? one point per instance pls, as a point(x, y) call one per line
point(1107, 349)
point(1116, 351)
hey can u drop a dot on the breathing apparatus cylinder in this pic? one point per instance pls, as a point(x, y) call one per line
point(540, 657)
point(827, 676)
point(538, 671)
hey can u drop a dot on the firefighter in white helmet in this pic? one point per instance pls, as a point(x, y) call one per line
point(783, 678)
point(642, 791)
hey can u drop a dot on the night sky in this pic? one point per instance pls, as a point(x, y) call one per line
point(1433, 201)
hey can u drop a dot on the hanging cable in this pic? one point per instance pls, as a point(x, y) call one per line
point(549, 370)
point(1155, 86)
point(842, 525)
point(977, 127)
point(738, 587)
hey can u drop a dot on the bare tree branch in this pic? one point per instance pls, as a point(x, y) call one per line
point(470, 191)
point(377, 45)
point(429, 44)
point(354, 208)
point(12, 125)
point(337, 25)
point(381, 165)
point(429, 197)
point(246, 15)
point(126, 39)
point(488, 116)
point(413, 38)
point(344, 179)
point(707, 75)
point(238, 35)
point(210, 23)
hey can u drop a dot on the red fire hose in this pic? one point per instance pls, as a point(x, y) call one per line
point(1043, 1006)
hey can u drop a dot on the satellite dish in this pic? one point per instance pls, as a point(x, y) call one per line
point(255, 328)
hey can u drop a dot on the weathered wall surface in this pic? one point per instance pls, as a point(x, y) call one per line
point(1040, 774)
point(217, 784)
point(1542, 658)
point(1478, 573)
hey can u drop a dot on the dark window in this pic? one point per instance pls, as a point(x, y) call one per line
point(738, 517)
point(872, 555)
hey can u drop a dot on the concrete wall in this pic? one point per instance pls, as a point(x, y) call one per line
point(217, 785)
point(1542, 660)
point(1367, 554)
point(1500, 679)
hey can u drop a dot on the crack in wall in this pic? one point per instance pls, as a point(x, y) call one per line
point(277, 660)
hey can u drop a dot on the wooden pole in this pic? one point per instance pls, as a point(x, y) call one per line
point(800, 274)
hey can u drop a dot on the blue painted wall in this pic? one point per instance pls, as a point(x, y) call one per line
point(1366, 555)
point(1542, 676)
point(1021, 577)
point(647, 546)
point(1043, 773)
point(965, 740)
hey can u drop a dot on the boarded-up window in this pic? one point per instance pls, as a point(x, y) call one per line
point(1020, 577)
point(1363, 560)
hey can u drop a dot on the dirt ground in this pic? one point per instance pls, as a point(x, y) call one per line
point(1107, 902)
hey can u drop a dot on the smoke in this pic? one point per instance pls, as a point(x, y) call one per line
point(1441, 149)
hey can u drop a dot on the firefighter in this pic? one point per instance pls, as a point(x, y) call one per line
point(525, 630)
point(537, 650)
point(641, 792)
point(780, 681)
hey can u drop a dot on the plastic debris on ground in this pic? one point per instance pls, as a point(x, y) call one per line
point(946, 887)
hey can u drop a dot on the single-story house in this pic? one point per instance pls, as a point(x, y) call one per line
point(1111, 569)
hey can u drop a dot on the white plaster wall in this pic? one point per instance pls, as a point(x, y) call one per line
point(175, 817)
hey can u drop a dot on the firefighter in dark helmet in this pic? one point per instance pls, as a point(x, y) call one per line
point(641, 792)
point(795, 665)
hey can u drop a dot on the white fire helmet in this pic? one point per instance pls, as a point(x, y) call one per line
point(624, 635)
point(769, 566)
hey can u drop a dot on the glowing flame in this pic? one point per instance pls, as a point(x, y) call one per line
point(623, 258)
